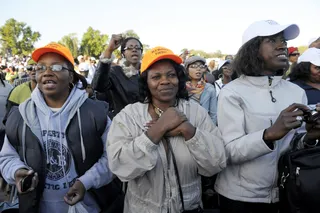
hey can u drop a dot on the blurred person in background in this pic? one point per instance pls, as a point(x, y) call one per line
point(306, 74)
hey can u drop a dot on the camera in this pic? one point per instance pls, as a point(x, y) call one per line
point(311, 116)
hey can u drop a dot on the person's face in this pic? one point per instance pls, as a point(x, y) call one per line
point(53, 83)
point(163, 81)
point(227, 70)
point(293, 57)
point(196, 70)
point(132, 51)
point(273, 51)
point(315, 73)
point(31, 72)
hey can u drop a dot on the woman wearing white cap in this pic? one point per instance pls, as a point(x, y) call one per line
point(306, 74)
point(226, 75)
point(257, 116)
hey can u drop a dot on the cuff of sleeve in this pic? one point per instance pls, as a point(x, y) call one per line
point(144, 141)
point(261, 144)
point(194, 140)
point(87, 181)
point(106, 60)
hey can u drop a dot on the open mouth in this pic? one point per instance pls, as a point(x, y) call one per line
point(282, 56)
point(49, 82)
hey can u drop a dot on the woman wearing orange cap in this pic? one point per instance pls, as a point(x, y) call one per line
point(163, 144)
point(54, 150)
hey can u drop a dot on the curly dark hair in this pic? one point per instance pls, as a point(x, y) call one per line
point(248, 60)
point(300, 71)
point(145, 94)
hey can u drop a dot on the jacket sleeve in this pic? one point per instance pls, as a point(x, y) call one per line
point(10, 162)
point(213, 106)
point(101, 80)
point(206, 146)
point(99, 174)
point(130, 154)
point(240, 146)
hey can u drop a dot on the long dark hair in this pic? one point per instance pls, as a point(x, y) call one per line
point(248, 60)
point(300, 71)
point(145, 94)
point(77, 77)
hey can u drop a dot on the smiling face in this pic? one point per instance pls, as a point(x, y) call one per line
point(274, 54)
point(293, 57)
point(163, 82)
point(132, 51)
point(227, 70)
point(53, 84)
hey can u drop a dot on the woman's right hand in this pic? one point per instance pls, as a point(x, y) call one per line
point(20, 174)
point(169, 120)
point(286, 121)
point(115, 42)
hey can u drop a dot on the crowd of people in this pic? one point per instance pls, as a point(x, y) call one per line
point(149, 132)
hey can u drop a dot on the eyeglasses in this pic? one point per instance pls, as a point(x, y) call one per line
point(196, 66)
point(131, 48)
point(295, 54)
point(53, 68)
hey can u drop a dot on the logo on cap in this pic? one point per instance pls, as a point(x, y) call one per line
point(271, 22)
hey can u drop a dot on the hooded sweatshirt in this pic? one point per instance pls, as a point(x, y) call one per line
point(49, 125)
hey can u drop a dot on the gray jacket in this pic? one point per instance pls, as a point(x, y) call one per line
point(152, 183)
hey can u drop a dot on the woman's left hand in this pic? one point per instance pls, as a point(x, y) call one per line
point(186, 129)
point(313, 129)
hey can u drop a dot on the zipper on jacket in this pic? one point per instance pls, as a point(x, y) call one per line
point(270, 91)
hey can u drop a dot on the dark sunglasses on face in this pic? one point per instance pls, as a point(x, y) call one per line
point(30, 67)
point(53, 68)
point(201, 66)
point(295, 54)
point(131, 48)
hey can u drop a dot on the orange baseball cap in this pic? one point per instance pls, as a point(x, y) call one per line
point(53, 48)
point(157, 54)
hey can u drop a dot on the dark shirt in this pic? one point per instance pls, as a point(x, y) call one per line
point(313, 94)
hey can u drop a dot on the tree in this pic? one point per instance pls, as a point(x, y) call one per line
point(146, 47)
point(70, 41)
point(130, 33)
point(93, 42)
point(17, 38)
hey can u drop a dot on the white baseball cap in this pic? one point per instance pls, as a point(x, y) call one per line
point(312, 40)
point(269, 28)
point(311, 55)
point(222, 63)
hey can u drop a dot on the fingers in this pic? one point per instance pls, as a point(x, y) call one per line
point(68, 198)
point(72, 200)
point(35, 181)
point(295, 106)
point(21, 173)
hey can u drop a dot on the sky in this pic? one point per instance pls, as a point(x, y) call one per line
point(207, 25)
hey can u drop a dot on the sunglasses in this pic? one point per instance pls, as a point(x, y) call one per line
point(295, 54)
point(30, 67)
point(195, 66)
point(53, 68)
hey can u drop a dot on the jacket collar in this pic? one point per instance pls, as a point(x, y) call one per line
point(263, 81)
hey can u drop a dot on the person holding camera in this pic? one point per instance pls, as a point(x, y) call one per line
point(54, 149)
point(258, 115)
point(119, 83)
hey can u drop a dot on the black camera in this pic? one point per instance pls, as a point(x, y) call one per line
point(311, 116)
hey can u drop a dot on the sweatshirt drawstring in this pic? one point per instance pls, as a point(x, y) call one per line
point(83, 150)
point(47, 142)
point(61, 151)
